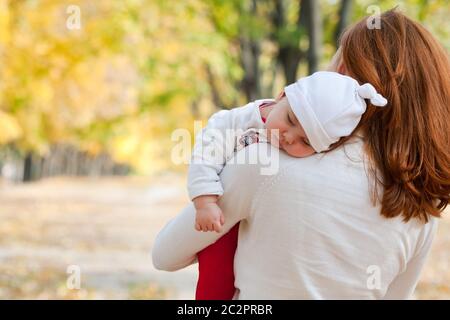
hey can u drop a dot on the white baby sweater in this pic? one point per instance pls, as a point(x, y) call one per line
point(308, 232)
point(217, 143)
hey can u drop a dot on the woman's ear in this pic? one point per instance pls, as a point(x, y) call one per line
point(336, 61)
point(341, 68)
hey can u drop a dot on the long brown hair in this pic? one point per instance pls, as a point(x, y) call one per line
point(408, 141)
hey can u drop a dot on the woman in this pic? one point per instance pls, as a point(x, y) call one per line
point(357, 222)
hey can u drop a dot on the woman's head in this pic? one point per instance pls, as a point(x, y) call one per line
point(408, 142)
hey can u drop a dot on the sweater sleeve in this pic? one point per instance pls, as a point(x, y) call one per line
point(214, 145)
point(402, 287)
point(177, 244)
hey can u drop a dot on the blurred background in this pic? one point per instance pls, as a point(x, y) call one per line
point(90, 94)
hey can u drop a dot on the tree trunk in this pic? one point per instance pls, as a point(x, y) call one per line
point(217, 100)
point(250, 63)
point(250, 53)
point(344, 18)
point(28, 168)
point(289, 54)
point(314, 27)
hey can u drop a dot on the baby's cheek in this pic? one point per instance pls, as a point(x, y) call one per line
point(273, 130)
point(273, 138)
point(298, 151)
point(273, 124)
point(269, 124)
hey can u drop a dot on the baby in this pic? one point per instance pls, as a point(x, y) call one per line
point(311, 115)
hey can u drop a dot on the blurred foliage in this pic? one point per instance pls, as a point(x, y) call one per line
point(137, 69)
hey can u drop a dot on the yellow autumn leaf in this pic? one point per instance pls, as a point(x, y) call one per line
point(9, 128)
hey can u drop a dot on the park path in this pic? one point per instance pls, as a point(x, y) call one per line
point(106, 227)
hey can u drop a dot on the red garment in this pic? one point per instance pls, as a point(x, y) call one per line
point(215, 268)
point(216, 263)
point(266, 104)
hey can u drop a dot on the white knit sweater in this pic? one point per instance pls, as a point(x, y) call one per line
point(220, 136)
point(308, 232)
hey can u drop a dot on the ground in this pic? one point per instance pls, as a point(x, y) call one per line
point(106, 227)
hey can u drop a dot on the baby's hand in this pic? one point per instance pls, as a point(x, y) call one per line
point(209, 216)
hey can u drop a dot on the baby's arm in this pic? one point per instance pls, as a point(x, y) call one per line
point(209, 216)
point(177, 244)
point(213, 146)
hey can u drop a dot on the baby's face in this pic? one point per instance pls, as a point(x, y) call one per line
point(290, 136)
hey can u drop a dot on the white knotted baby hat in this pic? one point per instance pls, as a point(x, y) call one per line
point(329, 105)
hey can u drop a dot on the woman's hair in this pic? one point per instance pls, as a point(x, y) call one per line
point(408, 141)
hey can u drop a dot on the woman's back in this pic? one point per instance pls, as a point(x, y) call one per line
point(313, 233)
